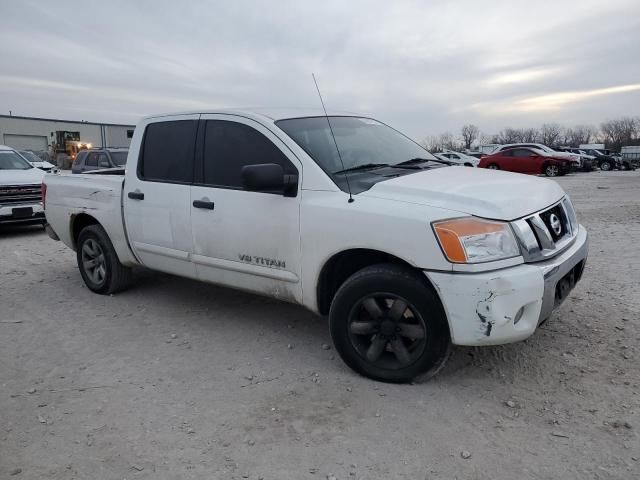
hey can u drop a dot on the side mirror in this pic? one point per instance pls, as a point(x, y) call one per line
point(269, 177)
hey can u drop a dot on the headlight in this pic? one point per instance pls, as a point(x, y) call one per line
point(473, 240)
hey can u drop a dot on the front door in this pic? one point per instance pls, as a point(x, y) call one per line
point(248, 240)
point(157, 197)
point(527, 161)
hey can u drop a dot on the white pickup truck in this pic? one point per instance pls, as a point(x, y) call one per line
point(341, 214)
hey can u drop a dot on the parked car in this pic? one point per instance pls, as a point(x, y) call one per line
point(527, 160)
point(576, 160)
point(36, 161)
point(604, 162)
point(20, 189)
point(588, 162)
point(99, 158)
point(403, 254)
point(458, 158)
point(630, 157)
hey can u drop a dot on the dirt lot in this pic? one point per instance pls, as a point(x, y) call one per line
point(178, 379)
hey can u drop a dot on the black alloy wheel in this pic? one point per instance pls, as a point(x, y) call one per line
point(387, 331)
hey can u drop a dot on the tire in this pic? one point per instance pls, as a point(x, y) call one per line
point(468, 165)
point(374, 339)
point(551, 170)
point(493, 166)
point(605, 166)
point(98, 262)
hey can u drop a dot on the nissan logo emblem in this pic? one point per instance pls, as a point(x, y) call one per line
point(556, 226)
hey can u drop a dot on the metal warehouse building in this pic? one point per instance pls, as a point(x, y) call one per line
point(30, 133)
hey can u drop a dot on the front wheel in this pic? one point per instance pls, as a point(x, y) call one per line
point(388, 324)
point(98, 262)
point(551, 170)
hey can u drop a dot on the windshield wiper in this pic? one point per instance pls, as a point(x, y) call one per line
point(413, 161)
point(364, 166)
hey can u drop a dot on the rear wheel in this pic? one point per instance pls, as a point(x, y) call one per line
point(98, 262)
point(606, 165)
point(551, 170)
point(493, 166)
point(388, 324)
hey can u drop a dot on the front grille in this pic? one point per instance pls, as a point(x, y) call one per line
point(548, 232)
point(20, 194)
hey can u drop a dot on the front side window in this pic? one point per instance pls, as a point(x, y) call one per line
point(361, 141)
point(229, 146)
point(521, 152)
point(167, 153)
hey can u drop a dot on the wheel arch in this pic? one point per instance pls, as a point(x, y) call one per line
point(77, 223)
point(341, 265)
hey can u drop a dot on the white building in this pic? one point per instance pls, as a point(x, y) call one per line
point(29, 133)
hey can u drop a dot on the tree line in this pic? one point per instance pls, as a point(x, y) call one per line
point(614, 134)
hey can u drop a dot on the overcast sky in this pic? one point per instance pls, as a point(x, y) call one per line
point(423, 66)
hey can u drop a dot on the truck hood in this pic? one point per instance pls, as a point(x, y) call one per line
point(30, 176)
point(474, 191)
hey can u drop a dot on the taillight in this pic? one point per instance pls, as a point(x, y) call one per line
point(43, 190)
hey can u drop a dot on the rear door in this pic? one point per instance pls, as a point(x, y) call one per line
point(157, 195)
point(249, 240)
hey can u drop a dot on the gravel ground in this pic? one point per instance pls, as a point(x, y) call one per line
point(177, 379)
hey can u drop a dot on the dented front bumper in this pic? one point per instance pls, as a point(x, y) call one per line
point(507, 305)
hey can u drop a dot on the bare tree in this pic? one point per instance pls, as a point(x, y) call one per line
point(470, 134)
point(529, 135)
point(444, 141)
point(508, 135)
point(575, 136)
point(550, 134)
point(620, 132)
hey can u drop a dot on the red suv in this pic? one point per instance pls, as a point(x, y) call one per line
point(526, 160)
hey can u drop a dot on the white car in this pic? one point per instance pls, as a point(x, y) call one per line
point(458, 158)
point(356, 221)
point(36, 161)
point(20, 189)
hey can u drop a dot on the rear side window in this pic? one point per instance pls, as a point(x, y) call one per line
point(229, 146)
point(521, 152)
point(167, 153)
point(92, 160)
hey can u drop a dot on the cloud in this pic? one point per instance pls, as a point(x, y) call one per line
point(424, 67)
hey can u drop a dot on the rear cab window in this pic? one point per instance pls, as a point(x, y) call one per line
point(167, 153)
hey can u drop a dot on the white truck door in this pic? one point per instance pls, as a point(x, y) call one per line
point(248, 240)
point(157, 195)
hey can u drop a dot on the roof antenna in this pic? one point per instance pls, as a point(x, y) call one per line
point(334, 138)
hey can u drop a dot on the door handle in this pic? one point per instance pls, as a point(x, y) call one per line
point(136, 195)
point(203, 204)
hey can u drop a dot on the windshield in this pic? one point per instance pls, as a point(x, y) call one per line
point(31, 157)
point(362, 142)
point(10, 160)
point(119, 158)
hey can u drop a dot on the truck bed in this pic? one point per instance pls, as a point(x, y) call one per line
point(70, 198)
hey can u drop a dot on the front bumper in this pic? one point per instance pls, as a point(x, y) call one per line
point(21, 213)
point(507, 305)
